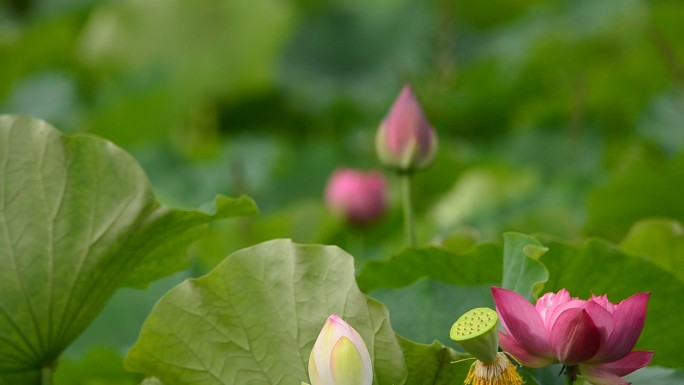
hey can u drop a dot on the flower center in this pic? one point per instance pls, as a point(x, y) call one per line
point(499, 372)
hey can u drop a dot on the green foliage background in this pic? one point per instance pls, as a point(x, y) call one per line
point(563, 119)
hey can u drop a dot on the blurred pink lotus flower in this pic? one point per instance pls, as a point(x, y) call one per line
point(339, 356)
point(405, 139)
point(360, 197)
point(594, 336)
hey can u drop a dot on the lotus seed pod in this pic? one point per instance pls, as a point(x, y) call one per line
point(477, 332)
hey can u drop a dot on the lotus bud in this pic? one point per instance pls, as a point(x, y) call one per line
point(339, 356)
point(360, 197)
point(405, 140)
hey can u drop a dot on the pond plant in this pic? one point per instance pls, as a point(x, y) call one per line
point(79, 220)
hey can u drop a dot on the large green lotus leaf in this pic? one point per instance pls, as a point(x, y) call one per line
point(77, 220)
point(522, 270)
point(166, 233)
point(600, 267)
point(254, 319)
point(480, 265)
point(100, 366)
point(434, 364)
point(645, 189)
point(424, 311)
point(660, 241)
point(23, 377)
point(164, 57)
point(427, 289)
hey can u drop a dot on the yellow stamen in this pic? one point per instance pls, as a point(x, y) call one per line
point(499, 372)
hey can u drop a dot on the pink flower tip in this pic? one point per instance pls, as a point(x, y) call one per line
point(405, 140)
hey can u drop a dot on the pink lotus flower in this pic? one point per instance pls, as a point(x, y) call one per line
point(339, 356)
point(595, 336)
point(360, 197)
point(405, 139)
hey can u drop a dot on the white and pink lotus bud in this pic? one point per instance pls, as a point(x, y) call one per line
point(339, 356)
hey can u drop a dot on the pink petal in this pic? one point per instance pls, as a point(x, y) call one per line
point(574, 337)
point(604, 302)
point(511, 346)
point(629, 317)
point(406, 123)
point(627, 364)
point(522, 322)
point(610, 372)
point(602, 319)
point(549, 302)
point(602, 378)
point(573, 303)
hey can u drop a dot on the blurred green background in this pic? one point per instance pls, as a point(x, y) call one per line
point(556, 117)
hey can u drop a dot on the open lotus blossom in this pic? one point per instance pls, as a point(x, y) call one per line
point(593, 338)
point(339, 356)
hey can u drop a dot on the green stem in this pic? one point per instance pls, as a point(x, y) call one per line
point(409, 224)
point(46, 375)
point(571, 373)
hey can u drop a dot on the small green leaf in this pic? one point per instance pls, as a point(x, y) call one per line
point(255, 317)
point(534, 251)
point(77, 220)
point(522, 270)
point(480, 265)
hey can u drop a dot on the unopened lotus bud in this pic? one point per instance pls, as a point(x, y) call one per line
point(360, 197)
point(339, 356)
point(405, 140)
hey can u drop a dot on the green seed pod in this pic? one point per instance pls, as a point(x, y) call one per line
point(477, 332)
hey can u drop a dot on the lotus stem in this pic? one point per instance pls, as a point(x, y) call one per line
point(46, 375)
point(409, 222)
point(571, 373)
